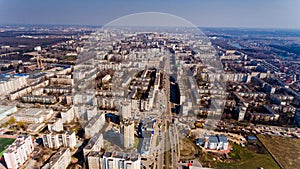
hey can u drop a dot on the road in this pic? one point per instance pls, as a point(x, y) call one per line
point(171, 135)
point(167, 151)
point(175, 149)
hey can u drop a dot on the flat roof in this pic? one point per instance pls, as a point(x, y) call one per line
point(96, 154)
point(4, 108)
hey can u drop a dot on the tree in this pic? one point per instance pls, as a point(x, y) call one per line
point(12, 120)
point(20, 124)
point(10, 67)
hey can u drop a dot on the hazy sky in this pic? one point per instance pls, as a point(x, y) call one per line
point(205, 13)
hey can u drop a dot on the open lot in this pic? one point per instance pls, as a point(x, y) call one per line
point(4, 143)
point(285, 150)
point(249, 157)
point(188, 149)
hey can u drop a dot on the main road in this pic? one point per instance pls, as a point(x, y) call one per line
point(171, 136)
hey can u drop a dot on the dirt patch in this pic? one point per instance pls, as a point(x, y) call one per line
point(187, 149)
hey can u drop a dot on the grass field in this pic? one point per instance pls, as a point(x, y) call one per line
point(285, 150)
point(4, 143)
point(247, 158)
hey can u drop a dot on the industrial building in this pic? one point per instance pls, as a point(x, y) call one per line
point(33, 115)
point(6, 111)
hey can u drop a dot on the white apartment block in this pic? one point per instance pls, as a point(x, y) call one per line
point(119, 160)
point(17, 153)
point(6, 111)
point(9, 84)
point(62, 139)
point(94, 144)
point(125, 110)
point(55, 125)
point(60, 160)
point(68, 115)
point(127, 130)
point(94, 125)
point(95, 160)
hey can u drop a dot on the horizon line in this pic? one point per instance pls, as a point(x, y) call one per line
point(95, 25)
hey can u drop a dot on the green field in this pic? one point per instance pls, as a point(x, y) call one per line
point(247, 158)
point(285, 150)
point(4, 143)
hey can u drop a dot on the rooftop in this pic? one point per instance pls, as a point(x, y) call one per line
point(213, 139)
point(96, 154)
point(128, 157)
point(55, 158)
point(17, 143)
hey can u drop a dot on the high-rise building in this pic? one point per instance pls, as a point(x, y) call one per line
point(125, 110)
point(17, 153)
point(127, 131)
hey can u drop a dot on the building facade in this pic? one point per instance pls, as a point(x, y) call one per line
point(119, 160)
point(63, 139)
point(17, 153)
point(127, 131)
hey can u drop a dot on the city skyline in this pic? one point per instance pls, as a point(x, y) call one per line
point(129, 84)
point(233, 13)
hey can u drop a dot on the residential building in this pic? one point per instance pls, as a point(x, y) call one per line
point(39, 99)
point(67, 115)
point(218, 142)
point(94, 125)
point(55, 125)
point(127, 131)
point(119, 160)
point(10, 83)
point(56, 140)
point(94, 144)
point(125, 110)
point(60, 160)
point(95, 160)
point(17, 153)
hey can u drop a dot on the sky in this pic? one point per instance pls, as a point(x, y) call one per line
point(203, 13)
